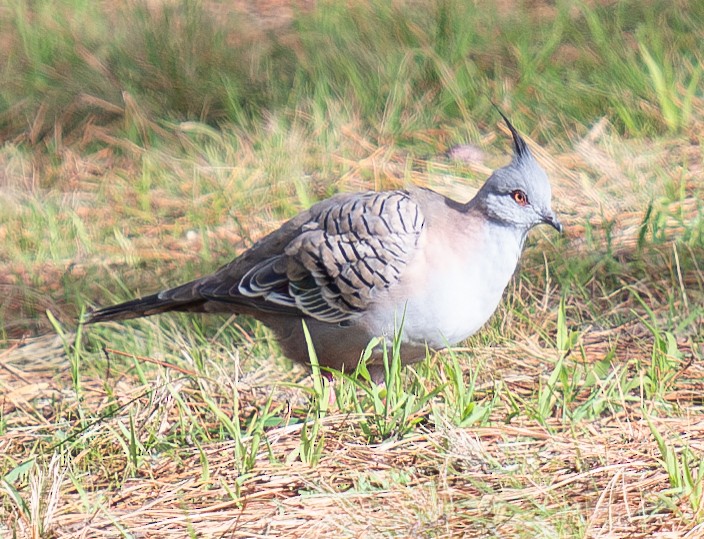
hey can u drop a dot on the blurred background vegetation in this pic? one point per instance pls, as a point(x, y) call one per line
point(398, 67)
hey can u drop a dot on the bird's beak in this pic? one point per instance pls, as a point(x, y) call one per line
point(550, 219)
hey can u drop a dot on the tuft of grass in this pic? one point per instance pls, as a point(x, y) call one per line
point(684, 469)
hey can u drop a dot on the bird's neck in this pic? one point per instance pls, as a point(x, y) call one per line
point(498, 230)
point(478, 209)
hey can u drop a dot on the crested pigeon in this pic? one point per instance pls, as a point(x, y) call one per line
point(363, 265)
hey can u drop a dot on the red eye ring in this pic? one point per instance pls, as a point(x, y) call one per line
point(519, 197)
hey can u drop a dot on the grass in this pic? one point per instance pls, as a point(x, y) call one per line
point(147, 144)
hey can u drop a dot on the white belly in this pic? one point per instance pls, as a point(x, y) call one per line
point(448, 315)
point(451, 293)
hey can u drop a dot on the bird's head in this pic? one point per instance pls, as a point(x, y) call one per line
point(518, 194)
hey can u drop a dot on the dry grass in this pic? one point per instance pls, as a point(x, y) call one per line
point(603, 477)
point(605, 480)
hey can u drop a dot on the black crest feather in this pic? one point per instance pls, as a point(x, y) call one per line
point(518, 143)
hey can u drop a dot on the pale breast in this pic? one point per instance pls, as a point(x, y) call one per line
point(454, 286)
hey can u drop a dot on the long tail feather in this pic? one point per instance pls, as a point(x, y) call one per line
point(139, 307)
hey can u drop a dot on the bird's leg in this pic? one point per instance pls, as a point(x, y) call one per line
point(376, 372)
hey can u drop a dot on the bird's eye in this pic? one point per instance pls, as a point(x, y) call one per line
point(519, 197)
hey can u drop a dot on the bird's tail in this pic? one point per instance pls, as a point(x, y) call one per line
point(139, 307)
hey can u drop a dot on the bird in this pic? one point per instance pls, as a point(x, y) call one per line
point(363, 267)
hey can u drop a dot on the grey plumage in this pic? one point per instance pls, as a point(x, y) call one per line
point(356, 265)
point(341, 258)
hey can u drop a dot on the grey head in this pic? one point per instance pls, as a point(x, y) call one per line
point(517, 195)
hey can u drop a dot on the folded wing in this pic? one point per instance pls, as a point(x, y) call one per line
point(336, 264)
